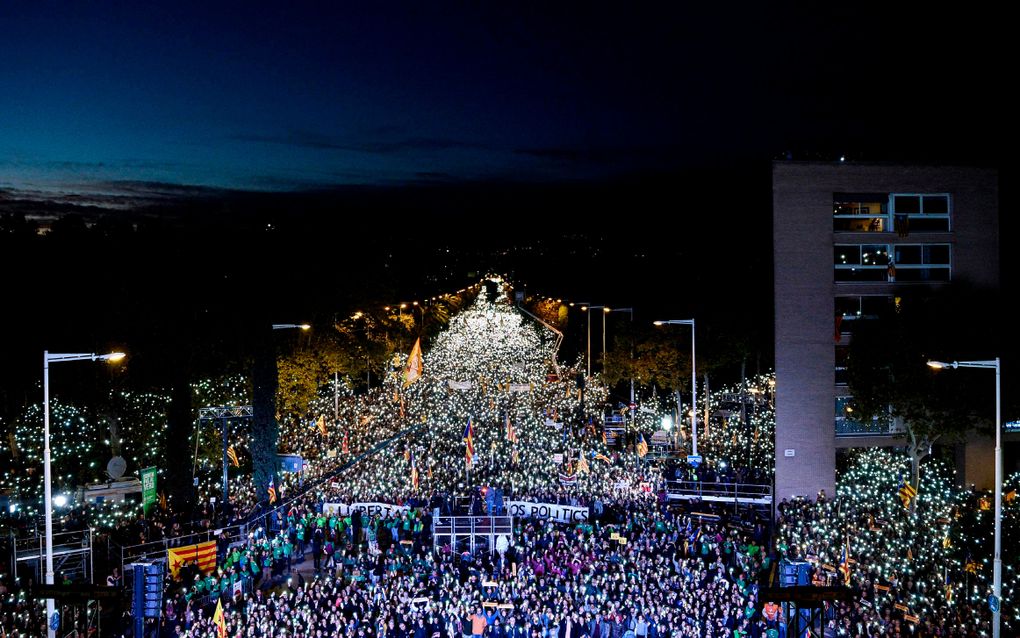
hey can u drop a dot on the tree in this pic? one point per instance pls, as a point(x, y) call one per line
point(888, 378)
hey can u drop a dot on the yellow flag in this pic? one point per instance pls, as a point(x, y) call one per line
point(219, 620)
point(415, 364)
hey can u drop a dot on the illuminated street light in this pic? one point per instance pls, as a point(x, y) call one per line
point(48, 358)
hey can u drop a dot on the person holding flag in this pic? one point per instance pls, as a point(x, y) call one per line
point(907, 492)
point(271, 490)
point(219, 620)
point(469, 443)
point(415, 364)
point(844, 565)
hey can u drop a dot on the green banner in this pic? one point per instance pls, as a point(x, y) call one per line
point(148, 488)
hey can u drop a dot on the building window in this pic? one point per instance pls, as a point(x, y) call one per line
point(884, 212)
point(848, 425)
point(852, 307)
point(920, 212)
point(923, 262)
point(842, 357)
point(897, 262)
point(860, 212)
point(861, 262)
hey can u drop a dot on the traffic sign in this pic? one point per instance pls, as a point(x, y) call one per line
point(694, 460)
point(993, 603)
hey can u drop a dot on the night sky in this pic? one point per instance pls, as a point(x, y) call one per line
point(295, 96)
point(208, 166)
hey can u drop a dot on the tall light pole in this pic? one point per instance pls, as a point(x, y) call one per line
point(991, 364)
point(584, 308)
point(49, 358)
point(606, 311)
point(694, 380)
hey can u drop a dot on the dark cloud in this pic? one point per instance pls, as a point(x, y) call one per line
point(319, 141)
point(604, 155)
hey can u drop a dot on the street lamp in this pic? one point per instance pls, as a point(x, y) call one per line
point(47, 476)
point(991, 364)
point(584, 308)
point(606, 311)
point(285, 326)
point(694, 380)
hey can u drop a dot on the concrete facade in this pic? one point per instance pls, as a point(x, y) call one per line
point(806, 291)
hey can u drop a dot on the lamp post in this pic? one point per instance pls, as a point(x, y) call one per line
point(49, 358)
point(694, 380)
point(990, 364)
point(285, 326)
point(606, 311)
point(584, 308)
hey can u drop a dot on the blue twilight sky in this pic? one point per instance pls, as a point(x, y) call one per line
point(287, 96)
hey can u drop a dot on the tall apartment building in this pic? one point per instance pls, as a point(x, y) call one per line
point(848, 238)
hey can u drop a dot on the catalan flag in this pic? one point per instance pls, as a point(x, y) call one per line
point(642, 446)
point(844, 565)
point(219, 620)
point(582, 465)
point(321, 423)
point(162, 501)
point(511, 434)
point(344, 446)
point(469, 442)
point(272, 491)
point(602, 457)
point(232, 453)
point(415, 364)
point(202, 554)
point(907, 493)
point(414, 473)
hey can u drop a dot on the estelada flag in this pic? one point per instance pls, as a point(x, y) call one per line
point(204, 554)
point(642, 446)
point(321, 423)
point(469, 443)
point(511, 434)
point(232, 453)
point(272, 491)
point(414, 364)
point(219, 620)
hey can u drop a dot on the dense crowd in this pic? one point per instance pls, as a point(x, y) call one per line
point(642, 569)
point(638, 566)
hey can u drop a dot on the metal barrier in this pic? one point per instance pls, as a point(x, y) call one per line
point(72, 555)
point(742, 493)
point(157, 550)
point(471, 528)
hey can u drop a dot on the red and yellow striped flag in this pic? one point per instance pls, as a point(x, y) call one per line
point(204, 554)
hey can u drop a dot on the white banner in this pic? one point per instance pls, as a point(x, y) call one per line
point(461, 385)
point(373, 509)
point(520, 387)
point(559, 513)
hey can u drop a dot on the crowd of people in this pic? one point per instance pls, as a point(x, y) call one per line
point(643, 567)
point(486, 419)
